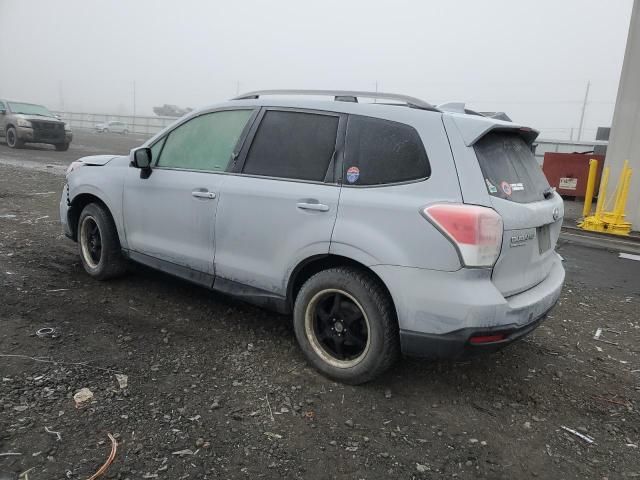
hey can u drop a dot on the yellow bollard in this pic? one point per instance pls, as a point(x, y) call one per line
point(618, 194)
point(606, 220)
point(591, 183)
point(602, 192)
point(624, 194)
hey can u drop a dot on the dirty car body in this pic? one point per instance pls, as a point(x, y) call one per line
point(459, 243)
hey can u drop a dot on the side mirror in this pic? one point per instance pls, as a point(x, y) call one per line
point(142, 160)
point(2, 111)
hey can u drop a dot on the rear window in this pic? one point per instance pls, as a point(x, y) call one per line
point(380, 151)
point(510, 169)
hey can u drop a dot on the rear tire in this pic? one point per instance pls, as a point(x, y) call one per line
point(98, 243)
point(61, 147)
point(12, 138)
point(346, 325)
point(125, 132)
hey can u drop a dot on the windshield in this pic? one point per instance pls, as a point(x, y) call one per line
point(29, 109)
point(510, 169)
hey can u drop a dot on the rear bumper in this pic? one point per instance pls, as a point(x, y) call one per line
point(457, 345)
point(438, 312)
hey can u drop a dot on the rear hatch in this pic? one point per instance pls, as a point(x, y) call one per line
point(531, 211)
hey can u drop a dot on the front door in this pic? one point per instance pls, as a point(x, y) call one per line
point(170, 216)
point(280, 205)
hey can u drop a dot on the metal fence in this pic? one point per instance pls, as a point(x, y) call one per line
point(138, 124)
point(151, 125)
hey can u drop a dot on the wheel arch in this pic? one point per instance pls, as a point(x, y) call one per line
point(312, 265)
point(77, 205)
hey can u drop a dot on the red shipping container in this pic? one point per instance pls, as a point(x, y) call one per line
point(568, 172)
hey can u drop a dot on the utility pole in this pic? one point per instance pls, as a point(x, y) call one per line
point(375, 99)
point(584, 107)
point(133, 127)
point(237, 87)
point(61, 94)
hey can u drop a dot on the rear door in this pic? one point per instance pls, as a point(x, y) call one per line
point(280, 206)
point(532, 213)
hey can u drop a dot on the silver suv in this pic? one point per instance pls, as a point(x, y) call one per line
point(383, 228)
point(27, 122)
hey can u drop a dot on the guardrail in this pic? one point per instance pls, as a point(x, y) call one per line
point(151, 125)
point(138, 124)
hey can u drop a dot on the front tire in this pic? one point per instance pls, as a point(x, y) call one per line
point(98, 243)
point(61, 147)
point(346, 325)
point(12, 138)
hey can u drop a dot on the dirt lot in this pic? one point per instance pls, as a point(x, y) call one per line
point(219, 389)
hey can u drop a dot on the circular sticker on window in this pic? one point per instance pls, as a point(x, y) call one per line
point(353, 174)
point(506, 188)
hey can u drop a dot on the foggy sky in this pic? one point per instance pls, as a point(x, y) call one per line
point(530, 59)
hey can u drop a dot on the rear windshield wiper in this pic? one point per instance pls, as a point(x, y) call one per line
point(548, 192)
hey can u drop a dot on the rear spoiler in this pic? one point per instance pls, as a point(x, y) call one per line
point(473, 128)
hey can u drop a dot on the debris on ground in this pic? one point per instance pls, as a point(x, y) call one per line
point(582, 436)
point(52, 432)
point(182, 453)
point(46, 332)
point(83, 397)
point(112, 455)
point(123, 380)
point(421, 412)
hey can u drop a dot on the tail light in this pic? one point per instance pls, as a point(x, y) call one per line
point(475, 231)
point(479, 339)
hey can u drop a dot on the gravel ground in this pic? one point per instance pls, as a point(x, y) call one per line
point(219, 389)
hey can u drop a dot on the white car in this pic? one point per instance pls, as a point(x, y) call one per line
point(113, 126)
point(382, 229)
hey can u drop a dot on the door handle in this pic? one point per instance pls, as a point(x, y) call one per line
point(319, 207)
point(201, 194)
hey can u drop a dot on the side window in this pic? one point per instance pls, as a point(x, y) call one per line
point(293, 145)
point(157, 148)
point(381, 151)
point(2, 105)
point(205, 142)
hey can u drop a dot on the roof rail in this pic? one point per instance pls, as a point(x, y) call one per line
point(342, 95)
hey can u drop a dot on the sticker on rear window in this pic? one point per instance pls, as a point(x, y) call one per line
point(353, 174)
point(490, 186)
point(506, 187)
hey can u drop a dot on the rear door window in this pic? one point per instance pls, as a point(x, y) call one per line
point(293, 145)
point(510, 169)
point(381, 151)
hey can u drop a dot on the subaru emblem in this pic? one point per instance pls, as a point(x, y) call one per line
point(556, 213)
